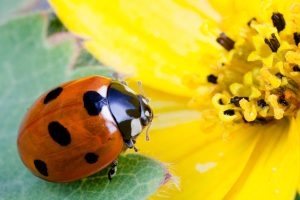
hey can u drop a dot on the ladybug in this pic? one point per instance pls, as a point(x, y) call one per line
point(81, 127)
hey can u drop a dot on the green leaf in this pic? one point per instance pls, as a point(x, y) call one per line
point(86, 59)
point(11, 8)
point(88, 71)
point(55, 25)
point(30, 65)
point(8, 7)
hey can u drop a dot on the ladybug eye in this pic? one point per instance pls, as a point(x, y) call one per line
point(144, 121)
point(147, 113)
point(147, 116)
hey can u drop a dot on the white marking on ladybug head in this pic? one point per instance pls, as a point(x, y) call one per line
point(145, 101)
point(147, 113)
point(136, 127)
point(129, 89)
point(103, 91)
point(106, 114)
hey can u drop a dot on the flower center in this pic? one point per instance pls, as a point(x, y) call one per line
point(259, 82)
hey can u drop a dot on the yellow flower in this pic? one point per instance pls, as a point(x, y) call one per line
point(224, 79)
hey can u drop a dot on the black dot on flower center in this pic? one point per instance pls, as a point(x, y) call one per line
point(261, 120)
point(229, 112)
point(262, 103)
point(212, 79)
point(296, 68)
point(251, 20)
point(279, 75)
point(225, 41)
point(53, 94)
point(236, 100)
point(297, 38)
point(282, 101)
point(278, 21)
point(41, 167)
point(273, 43)
point(91, 158)
point(221, 102)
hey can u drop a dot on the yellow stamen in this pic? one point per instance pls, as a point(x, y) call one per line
point(260, 79)
point(249, 110)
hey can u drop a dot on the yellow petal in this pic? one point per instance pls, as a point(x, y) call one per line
point(272, 171)
point(246, 10)
point(230, 9)
point(250, 162)
point(235, 7)
point(175, 138)
point(207, 164)
point(205, 7)
point(156, 42)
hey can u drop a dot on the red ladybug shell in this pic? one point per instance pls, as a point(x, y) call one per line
point(61, 139)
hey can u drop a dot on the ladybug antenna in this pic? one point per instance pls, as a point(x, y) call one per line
point(141, 90)
point(156, 116)
point(147, 130)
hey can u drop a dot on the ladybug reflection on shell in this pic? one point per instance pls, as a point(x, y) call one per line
point(81, 127)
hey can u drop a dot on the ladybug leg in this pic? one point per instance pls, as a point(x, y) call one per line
point(135, 149)
point(113, 170)
point(130, 144)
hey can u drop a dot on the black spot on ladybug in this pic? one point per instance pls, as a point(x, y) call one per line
point(53, 94)
point(41, 167)
point(93, 102)
point(59, 133)
point(91, 158)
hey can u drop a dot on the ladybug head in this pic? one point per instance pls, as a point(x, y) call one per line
point(131, 111)
point(146, 112)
